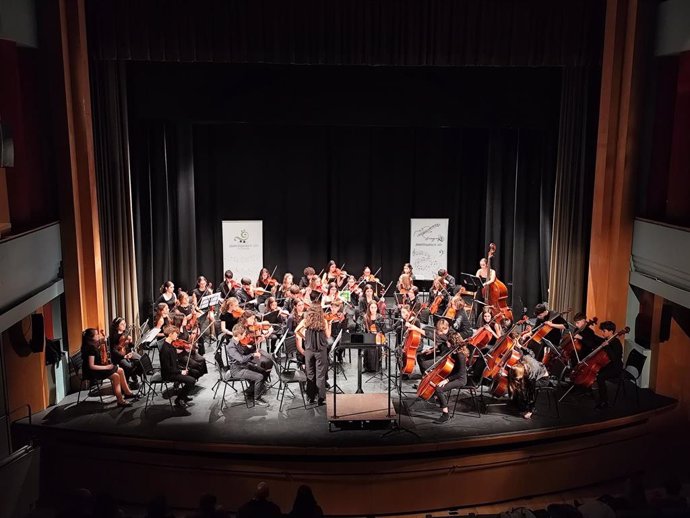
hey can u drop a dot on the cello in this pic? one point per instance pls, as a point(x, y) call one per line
point(497, 356)
point(585, 373)
point(571, 346)
point(411, 343)
point(437, 373)
point(496, 293)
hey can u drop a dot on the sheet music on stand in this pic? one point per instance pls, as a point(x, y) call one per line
point(335, 345)
point(210, 300)
point(150, 336)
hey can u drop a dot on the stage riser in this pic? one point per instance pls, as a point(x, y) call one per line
point(349, 486)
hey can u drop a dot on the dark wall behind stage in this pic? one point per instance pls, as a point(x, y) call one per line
point(336, 160)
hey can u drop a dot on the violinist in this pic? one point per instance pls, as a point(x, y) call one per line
point(170, 369)
point(372, 322)
point(334, 274)
point(330, 296)
point(167, 295)
point(367, 277)
point(245, 295)
point(544, 317)
point(205, 318)
point(230, 313)
point(523, 380)
point(228, 286)
point(244, 361)
point(274, 314)
point(201, 290)
point(314, 291)
point(268, 285)
point(121, 354)
point(354, 289)
point(583, 332)
point(405, 283)
point(283, 292)
point(457, 377)
point(293, 324)
point(367, 298)
point(317, 338)
point(256, 334)
point(94, 368)
point(448, 280)
point(293, 295)
point(185, 318)
point(161, 318)
point(309, 272)
point(614, 350)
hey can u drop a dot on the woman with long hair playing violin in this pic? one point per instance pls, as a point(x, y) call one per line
point(283, 292)
point(96, 367)
point(354, 289)
point(185, 318)
point(230, 313)
point(161, 318)
point(330, 295)
point(267, 285)
point(333, 274)
point(316, 342)
point(121, 353)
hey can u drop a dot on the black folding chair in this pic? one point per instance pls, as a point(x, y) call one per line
point(77, 363)
point(631, 372)
point(150, 378)
point(287, 377)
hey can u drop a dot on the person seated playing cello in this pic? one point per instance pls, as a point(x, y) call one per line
point(457, 377)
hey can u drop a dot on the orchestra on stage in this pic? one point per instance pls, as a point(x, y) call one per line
point(457, 334)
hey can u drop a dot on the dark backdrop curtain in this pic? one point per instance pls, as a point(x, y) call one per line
point(349, 32)
point(348, 193)
point(111, 147)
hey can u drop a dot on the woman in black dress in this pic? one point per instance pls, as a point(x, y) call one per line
point(94, 368)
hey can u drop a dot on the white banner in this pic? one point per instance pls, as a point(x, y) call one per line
point(243, 248)
point(428, 246)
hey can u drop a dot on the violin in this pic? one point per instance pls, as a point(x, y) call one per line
point(124, 341)
point(337, 317)
point(380, 337)
point(103, 348)
point(237, 313)
point(181, 344)
point(260, 326)
point(192, 322)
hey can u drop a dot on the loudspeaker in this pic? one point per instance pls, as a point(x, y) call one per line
point(38, 337)
point(6, 146)
point(53, 351)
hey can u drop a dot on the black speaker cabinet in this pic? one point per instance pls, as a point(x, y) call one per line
point(6, 146)
point(38, 337)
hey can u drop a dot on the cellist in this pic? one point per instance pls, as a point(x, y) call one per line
point(457, 377)
point(614, 350)
point(438, 297)
point(583, 332)
point(545, 317)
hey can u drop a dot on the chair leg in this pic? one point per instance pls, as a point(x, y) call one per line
point(222, 401)
point(81, 382)
point(301, 391)
point(455, 405)
point(280, 407)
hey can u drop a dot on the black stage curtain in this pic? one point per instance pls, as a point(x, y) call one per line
point(349, 32)
point(345, 193)
point(335, 160)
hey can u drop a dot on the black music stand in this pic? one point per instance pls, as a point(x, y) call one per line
point(473, 284)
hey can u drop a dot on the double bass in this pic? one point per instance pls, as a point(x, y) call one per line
point(496, 293)
point(585, 373)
